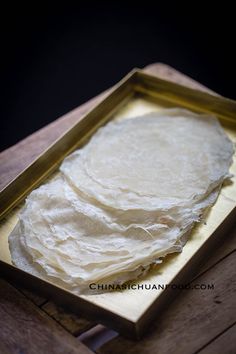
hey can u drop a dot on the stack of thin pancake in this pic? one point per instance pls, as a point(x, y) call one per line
point(123, 201)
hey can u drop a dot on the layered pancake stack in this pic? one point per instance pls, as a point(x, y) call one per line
point(124, 201)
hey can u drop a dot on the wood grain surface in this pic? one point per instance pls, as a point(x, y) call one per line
point(224, 343)
point(72, 323)
point(24, 328)
point(198, 321)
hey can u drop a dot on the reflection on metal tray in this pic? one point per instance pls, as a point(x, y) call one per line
point(129, 311)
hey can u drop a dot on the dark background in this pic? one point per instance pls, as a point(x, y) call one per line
point(55, 58)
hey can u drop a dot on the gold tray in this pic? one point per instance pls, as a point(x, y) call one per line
point(129, 311)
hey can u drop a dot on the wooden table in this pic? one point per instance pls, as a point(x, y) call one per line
point(197, 321)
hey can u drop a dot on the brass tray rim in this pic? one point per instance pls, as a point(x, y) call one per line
point(132, 81)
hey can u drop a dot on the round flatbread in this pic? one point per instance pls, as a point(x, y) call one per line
point(155, 161)
point(124, 201)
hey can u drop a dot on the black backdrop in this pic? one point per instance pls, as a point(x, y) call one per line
point(55, 58)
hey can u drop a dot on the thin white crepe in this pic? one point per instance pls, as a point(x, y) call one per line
point(124, 201)
point(156, 161)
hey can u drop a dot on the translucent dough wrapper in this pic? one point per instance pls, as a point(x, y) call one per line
point(124, 201)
